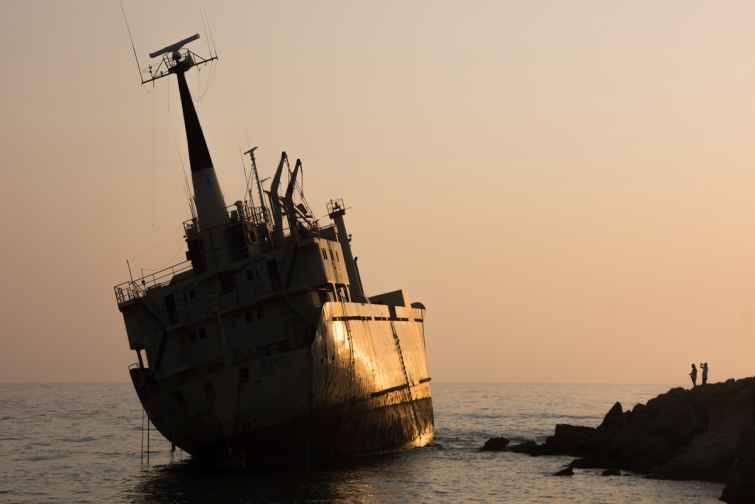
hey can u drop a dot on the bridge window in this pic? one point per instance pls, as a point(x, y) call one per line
point(325, 254)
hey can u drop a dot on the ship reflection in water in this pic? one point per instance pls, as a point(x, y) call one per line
point(450, 469)
point(390, 476)
point(187, 483)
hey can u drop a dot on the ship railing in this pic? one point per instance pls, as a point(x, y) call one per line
point(245, 211)
point(138, 288)
point(258, 215)
point(239, 212)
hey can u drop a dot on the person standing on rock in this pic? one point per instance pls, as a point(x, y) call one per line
point(704, 367)
point(693, 375)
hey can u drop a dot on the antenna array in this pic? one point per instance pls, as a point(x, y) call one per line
point(175, 57)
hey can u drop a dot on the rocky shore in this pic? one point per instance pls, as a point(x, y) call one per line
point(703, 434)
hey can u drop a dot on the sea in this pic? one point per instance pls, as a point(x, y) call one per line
point(84, 443)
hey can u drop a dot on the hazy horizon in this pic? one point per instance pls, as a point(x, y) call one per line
point(127, 382)
point(567, 187)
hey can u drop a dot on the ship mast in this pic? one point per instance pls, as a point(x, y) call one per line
point(177, 60)
point(256, 176)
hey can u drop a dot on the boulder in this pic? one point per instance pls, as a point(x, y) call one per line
point(528, 447)
point(570, 440)
point(614, 419)
point(740, 484)
point(495, 444)
point(566, 471)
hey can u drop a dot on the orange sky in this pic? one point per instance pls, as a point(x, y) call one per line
point(567, 186)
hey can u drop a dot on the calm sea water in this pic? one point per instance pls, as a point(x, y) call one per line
point(81, 443)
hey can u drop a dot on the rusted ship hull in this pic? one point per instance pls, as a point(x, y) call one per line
point(361, 386)
point(264, 343)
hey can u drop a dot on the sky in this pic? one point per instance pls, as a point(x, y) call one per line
point(567, 186)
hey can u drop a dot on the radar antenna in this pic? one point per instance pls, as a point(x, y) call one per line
point(176, 58)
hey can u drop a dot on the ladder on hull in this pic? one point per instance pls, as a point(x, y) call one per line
point(397, 342)
point(145, 416)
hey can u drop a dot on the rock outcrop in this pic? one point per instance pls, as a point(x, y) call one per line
point(704, 434)
point(495, 444)
point(566, 471)
point(740, 484)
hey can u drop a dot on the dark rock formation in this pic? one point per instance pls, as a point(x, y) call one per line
point(740, 485)
point(611, 472)
point(615, 418)
point(571, 439)
point(705, 434)
point(566, 471)
point(495, 444)
point(528, 447)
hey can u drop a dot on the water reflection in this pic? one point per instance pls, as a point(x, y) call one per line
point(187, 482)
point(80, 443)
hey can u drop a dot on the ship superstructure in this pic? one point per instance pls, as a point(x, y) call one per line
point(263, 344)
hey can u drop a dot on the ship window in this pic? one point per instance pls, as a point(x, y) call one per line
point(192, 294)
point(325, 254)
point(202, 333)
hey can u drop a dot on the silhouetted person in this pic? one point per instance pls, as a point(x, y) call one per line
point(693, 375)
point(704, 367)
